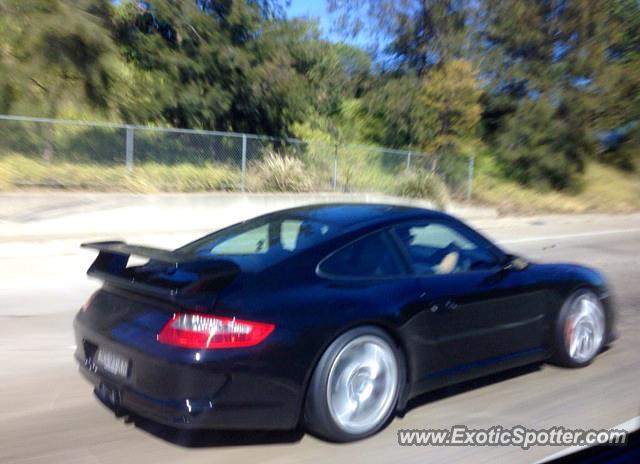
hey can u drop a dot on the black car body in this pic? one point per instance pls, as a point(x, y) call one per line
point(342, 267)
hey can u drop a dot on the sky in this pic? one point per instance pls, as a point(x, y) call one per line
point(312, 9)
point(318, 9)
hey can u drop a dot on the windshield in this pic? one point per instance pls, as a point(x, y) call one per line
point(263, 241)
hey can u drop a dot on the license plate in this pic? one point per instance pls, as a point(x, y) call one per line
point(111, 362)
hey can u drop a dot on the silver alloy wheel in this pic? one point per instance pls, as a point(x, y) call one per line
point(362, 384)
point(584, 328)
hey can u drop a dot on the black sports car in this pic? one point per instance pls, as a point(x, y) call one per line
point(326, 316)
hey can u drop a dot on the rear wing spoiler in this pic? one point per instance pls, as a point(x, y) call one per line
point(123, 249)
point(111, 266)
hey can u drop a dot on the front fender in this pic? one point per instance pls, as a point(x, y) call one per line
point(565, 278)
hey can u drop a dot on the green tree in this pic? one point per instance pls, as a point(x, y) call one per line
point(530, 49)
point(577, 54)
point(186, 59)
point(55, 53)
point(603, 49)
point(416, 34)
point(232, 68)
point(427, 98)
point(451, 97)
point(65, 55)
point(394, 112)
point(542, 147)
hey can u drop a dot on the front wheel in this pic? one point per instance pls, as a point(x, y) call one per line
point(354, 388)
point(580, 329)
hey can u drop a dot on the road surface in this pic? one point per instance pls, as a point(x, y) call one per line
point(48, 413)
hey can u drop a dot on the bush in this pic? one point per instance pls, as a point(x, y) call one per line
point(543, 146)
point(424, 185)
point(278, 173)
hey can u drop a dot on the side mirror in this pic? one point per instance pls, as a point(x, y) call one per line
point(514, 262)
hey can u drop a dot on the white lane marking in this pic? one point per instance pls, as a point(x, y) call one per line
point(563, 236)
point(630, 426)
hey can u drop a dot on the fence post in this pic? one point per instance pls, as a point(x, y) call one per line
point(335, 169)
point(434, 164)
point(244, 162)
point(129, 149)
point(470, 178)
point(408, 162)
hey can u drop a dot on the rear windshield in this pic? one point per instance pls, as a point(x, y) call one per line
point(261, 242)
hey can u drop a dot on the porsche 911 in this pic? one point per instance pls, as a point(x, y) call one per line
point(325, 317)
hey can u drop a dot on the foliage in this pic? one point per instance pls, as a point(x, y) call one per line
point(66, 57)
point(278, 173)
point(543, 87)
point(576, 55)
point(53, 52)
point(235, 65)
point(424, 185)
point(418, 34)
point(450, 95)
point(541, 147)
point(394, 113)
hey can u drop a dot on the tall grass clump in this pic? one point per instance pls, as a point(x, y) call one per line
point(424, 186)
point(280, 173)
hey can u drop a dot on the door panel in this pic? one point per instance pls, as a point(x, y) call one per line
point(475, 311)
point(483, 316)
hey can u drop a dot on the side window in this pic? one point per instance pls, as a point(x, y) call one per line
point(254, 241)
point(371, 256)
point(436, 248)
point(285, 235)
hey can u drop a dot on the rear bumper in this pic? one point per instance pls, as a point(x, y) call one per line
point(189, 396)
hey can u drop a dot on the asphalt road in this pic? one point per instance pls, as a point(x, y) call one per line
point(48, 413)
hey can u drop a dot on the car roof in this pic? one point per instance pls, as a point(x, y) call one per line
point(350, 215)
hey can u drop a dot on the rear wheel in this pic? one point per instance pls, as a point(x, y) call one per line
point(354, 388)
point(580, 329)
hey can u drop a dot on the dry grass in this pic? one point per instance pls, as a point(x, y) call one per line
point(19, 171)
point(603, 189)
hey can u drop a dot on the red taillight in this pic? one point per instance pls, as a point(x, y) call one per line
point(192, 330)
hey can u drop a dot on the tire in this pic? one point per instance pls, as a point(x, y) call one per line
point(580, 329)
point(355, 386)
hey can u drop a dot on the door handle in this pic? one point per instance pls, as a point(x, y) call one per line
point(442, 306)
point(450, 305)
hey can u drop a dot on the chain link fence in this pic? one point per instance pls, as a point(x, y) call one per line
point(230, 161)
